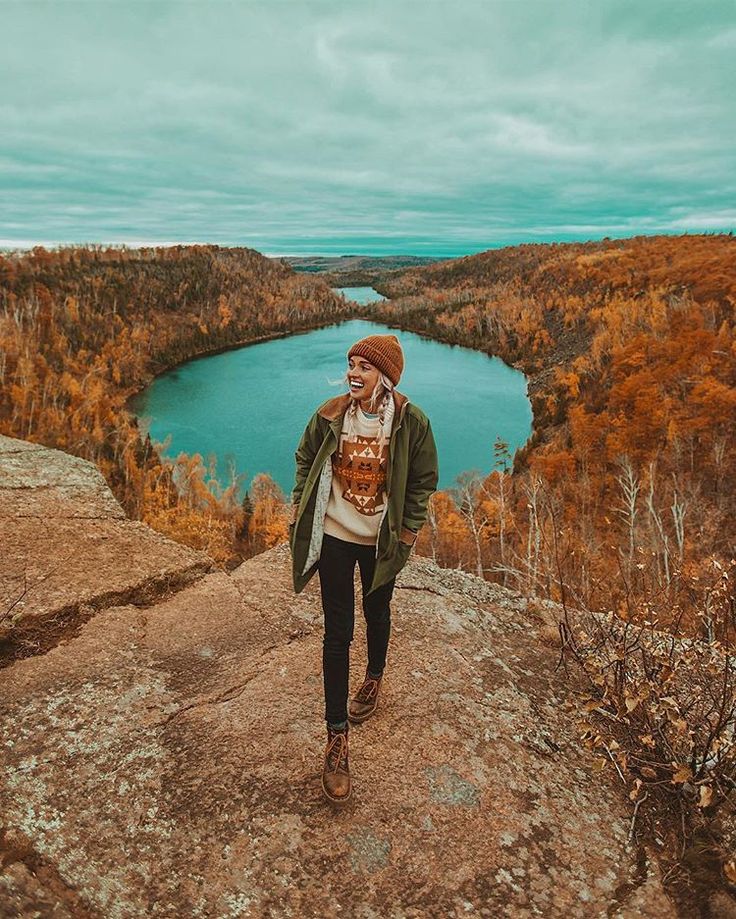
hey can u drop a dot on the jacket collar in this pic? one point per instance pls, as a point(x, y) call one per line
point(337, 406)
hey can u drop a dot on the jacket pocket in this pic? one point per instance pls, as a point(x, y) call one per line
point(403, 553)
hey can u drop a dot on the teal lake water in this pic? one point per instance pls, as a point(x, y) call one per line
point(361, 295)
point(252, 405)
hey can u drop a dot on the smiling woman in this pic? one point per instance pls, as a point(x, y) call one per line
point(366, 458)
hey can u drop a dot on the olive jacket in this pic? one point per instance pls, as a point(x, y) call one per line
point(411, 478)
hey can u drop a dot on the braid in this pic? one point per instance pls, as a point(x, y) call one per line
point(386, 411)
point(352, 414)
point(382, 408)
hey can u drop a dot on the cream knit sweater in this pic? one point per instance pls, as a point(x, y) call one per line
point(357, 496)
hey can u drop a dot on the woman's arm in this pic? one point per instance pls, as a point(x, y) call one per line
point(421, 483)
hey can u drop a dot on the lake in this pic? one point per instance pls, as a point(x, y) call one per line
point(252, 404)
point(361, 295)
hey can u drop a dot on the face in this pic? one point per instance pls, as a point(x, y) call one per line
point(365, 374)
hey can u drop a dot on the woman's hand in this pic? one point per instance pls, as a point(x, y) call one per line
point(408, 536)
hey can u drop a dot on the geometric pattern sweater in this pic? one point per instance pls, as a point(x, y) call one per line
point(358, 483)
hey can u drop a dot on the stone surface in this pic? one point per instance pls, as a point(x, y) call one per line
point(67, 550)
point(165, 761)
point(36, 481)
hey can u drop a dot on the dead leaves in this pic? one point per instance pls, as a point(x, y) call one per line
point(681, 775)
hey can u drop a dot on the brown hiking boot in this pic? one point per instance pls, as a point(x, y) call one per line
point(364, 702)
point(335, 773)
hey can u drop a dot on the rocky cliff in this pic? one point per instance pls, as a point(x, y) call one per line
point(162, 733)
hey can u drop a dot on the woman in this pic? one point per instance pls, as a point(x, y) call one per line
point(366, 466)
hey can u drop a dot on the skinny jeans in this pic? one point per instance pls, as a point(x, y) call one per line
point(336, 569)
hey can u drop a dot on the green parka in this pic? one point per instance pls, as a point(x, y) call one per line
point(411, 478)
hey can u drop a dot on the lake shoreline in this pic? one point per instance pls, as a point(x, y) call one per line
point(194, 405)
point(129, 392)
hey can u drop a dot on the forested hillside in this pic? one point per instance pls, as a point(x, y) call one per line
point(625, 491)
point(623, 495)
point(622, 505)
point(82, 328)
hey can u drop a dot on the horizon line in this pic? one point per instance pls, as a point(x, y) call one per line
point(7, 245)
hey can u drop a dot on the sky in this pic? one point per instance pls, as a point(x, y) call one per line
point(439, 127)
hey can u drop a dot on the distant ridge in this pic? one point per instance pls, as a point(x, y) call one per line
point(355, 270)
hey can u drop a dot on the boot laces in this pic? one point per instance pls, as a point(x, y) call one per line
point(337, 751)
point(368, 690)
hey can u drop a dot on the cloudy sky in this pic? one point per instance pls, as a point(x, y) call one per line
point(436, 127)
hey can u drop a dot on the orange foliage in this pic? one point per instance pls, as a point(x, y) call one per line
point(621, 498)
point(83, 328)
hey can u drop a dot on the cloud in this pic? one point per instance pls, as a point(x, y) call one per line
point(371, 124)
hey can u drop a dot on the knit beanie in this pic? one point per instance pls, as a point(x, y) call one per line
point(384, 352)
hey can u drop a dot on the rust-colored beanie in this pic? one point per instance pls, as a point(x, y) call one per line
point(384, 352)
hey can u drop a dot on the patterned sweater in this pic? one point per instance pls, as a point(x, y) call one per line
point(358, 483)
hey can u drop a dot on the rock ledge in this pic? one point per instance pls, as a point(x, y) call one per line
point(162, 754)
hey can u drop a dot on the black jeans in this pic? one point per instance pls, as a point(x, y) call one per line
point(336, 568)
